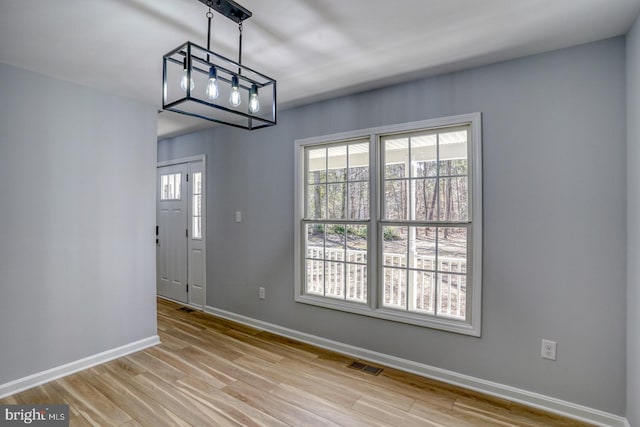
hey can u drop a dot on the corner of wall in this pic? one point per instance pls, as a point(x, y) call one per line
point(633, 223)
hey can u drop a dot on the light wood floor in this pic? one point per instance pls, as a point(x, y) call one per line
point(212, 372)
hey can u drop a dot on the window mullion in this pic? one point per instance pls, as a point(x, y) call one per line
point(345, 213)
point(326, 183)
point(346, 187)
point(373, 230)
point(411, 231)
point(436, 273)
point(437, 189)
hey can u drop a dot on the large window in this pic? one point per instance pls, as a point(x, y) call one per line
point(388, 222)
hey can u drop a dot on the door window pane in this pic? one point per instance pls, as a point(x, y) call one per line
point(196, 209)
point(170, 186)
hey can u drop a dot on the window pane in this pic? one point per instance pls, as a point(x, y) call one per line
point(426, 199)
point(337, 165)
point(425, 248)
point(335, 242)
point(424, 155)
point(316, 165)
point(334, 273)
point(453, 153)
point(395, 286)
point(197, 205)
point(396, 158)
point(356, 282)
point(170, 186)
point(197, 183)
point(336, 201)
point(395, 199)
point(315, 277)
point(452, 269)
point(316, 201)
point(359, 162)
point(315, 241)
point(317, 177)
point(453, 199)
point(164, 187)
point(196, 229)
point(452, 294)
point(358, 203)
point(453, 167)
point(452, 249)
point(422, 291)
point(177, 181)
point(394, 246)
point(357, 244)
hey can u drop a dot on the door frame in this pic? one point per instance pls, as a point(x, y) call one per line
point(192, 159)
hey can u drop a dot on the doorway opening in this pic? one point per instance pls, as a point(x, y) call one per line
point(181, 231)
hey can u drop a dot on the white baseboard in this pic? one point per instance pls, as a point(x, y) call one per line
point(70, 368)
point(513, 394)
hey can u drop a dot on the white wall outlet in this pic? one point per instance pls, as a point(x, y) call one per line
point(261, 293)
point(238, 216)
point(548, 350)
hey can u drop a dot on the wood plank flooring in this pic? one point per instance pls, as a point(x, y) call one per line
point(212, 372)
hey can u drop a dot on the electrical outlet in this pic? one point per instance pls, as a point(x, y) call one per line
point(261, 294)
point(238, 216)
point(548, 350)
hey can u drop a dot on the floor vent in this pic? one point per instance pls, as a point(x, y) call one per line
point(365, 368)
point(186, 309)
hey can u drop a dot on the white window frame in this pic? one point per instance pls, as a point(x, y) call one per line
point(472, 324)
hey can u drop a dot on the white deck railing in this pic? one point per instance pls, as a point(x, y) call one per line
point(422, 290)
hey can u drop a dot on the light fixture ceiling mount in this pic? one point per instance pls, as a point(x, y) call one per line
point(230, 9)
point(201, 83)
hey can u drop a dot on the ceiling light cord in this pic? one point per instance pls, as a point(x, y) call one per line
point(209, 16)
point(240, 47)
point(212, 90)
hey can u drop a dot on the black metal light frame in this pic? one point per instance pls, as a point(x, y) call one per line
point(195, 62)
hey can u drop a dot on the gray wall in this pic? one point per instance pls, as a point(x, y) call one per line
point(77, 216)
point(554, 220)
point(633, 225)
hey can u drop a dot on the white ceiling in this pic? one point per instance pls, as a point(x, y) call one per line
point(315, 49)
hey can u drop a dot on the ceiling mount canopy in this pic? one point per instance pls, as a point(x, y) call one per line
point(228, 8)
point(201, 83)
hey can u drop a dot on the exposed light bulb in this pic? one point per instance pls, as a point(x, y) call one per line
point(234, 98)
point(254, 102)
point(185, 77)
point(212, 90)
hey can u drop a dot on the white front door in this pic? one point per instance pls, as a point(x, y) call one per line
point(172, 232)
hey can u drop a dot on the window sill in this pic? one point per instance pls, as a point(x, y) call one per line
point(443, 324)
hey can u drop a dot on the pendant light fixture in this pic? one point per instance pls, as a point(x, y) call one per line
point(201, 83)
